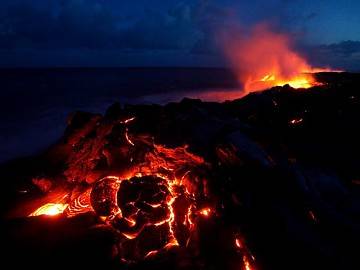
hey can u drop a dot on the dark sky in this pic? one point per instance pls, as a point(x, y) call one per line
point(169, 32)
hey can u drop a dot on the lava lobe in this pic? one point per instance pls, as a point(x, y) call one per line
point(149, 213)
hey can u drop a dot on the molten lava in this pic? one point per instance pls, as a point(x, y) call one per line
point(304, 80)
point(144, 204)
point(296, 121)
point(151, 205)
point(50, 209)
point(238, 243)
point(247, 265)
point(150, 197)
point(205, 212)
point(263, 59)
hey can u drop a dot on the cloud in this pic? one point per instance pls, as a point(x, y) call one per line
point(57, 32)
point(163, 31)
point(38, 29)
point(345, 48)
point(61, 24)
point(69, 24)
point(343, 55)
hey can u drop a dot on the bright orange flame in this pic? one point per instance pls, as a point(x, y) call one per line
point(264, 59)
point(49, 209)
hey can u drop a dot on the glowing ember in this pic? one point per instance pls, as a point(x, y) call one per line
point(247, 265)
point(128, 120)
point(151, 253)
point(50, 209)
point(312, 216)
point(296, 121)
point(238, 243)
point(127, 138)
point(264, 59)
point(355, 182)
point(205, 212)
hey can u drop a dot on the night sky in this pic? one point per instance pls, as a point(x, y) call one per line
point(169, 32)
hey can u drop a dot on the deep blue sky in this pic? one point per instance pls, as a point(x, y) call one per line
point(168, 32)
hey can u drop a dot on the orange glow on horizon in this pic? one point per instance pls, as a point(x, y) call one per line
point(263, 59)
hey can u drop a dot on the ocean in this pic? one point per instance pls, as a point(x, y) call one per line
point(35, 103)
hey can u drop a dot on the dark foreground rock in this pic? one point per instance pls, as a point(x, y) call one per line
point(280, 169)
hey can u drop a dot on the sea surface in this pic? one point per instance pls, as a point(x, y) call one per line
point(35, 103)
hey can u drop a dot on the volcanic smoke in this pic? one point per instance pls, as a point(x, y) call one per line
point(264, 59)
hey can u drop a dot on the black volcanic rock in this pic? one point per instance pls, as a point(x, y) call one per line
point(285, 170)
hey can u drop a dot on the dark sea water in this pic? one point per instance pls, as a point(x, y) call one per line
point(34, 103)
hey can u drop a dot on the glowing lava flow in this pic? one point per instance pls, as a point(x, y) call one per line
point(263, 59)
point(304, 80)
point(247, 258)
point(49, 209)
point(247, 265)
point(79, 205)
point(205, 212)
point(238, 243)
point(151, 206)
point(142, 205)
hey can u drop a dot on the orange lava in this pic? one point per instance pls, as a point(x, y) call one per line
point(50, 209)
point(126, 121)
point(128, 138)
point(296, 121)
point(247, 265)
point(205, 212)
point(79, 205)
point(155, 194)
point(263, 59)
point(303, 80)
point(238, 243)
